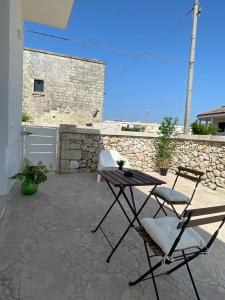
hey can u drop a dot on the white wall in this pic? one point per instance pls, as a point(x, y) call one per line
point(11, 50)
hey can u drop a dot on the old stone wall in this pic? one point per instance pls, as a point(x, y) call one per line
point(207, 156)
point(73, 88)
point(80, 149)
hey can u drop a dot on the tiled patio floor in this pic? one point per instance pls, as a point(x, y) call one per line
point(47, 250)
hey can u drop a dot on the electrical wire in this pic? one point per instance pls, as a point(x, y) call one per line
point(161, 38)
point(139, 55)
point(113, 49)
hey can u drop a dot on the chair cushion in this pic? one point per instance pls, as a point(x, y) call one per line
point(164, 232)
point(170, 195)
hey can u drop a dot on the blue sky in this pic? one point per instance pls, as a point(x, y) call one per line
point(151, 84)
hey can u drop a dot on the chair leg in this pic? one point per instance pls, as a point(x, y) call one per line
point(192, 279)
point(98, 178)
point(184, 209)
point(178, 216)
point(175, 268)
point(185, 262)
point(142, 277)
point(160, 207)
point(181, 264)
point(152, 273)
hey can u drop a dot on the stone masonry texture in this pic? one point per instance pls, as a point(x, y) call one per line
point(80, 151)
point(73, 88)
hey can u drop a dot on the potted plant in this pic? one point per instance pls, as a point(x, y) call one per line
point(165, 144)
point(120, 163)
point(30, 177)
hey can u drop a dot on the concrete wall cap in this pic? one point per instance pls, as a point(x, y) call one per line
point(206, 138)
point(105, 132)
point(64, 55)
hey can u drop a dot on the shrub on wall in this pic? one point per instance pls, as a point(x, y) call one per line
point(203, 129)
point(137, 129)
point(26, 117)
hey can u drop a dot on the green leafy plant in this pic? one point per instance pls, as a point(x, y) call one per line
point(26, 117)
point(120, 163)
point(166, 142)
point(36, 173)
point(203, 129)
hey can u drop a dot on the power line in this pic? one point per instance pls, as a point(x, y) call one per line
point(161, 38)
point(113, 49)
point(139, 55)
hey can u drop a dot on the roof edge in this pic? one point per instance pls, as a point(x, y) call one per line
point(64, 55)
point(209, 114)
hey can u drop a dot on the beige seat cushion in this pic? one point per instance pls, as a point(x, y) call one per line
point(170, 195)
point(164, 232)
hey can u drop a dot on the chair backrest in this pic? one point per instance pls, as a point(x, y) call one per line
point(215, 214)
point(190, 174)
point(109, 157)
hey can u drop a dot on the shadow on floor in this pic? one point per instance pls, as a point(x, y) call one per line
point(47, 250)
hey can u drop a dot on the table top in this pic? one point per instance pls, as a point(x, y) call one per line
point(117, 178)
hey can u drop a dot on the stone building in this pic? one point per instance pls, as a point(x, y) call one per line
point(62, 89)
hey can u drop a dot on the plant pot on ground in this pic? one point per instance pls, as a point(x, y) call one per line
point(28, 187)
point(31, 176)
point(165, 144)
point(163, 172)
point(163, 166)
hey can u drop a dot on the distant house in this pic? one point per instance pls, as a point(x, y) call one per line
point(215, 117)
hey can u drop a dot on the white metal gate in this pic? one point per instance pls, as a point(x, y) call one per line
point(40, 144)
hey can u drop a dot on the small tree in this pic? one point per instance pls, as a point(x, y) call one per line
point(165, 143)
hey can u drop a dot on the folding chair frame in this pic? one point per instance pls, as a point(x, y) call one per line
point(185, 173)
point(185, 258)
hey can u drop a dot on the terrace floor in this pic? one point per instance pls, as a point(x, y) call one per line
point(47, 250)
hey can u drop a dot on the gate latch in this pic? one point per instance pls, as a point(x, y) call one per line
point(26, 133)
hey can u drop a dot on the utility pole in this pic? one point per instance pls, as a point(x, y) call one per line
point(187, 116)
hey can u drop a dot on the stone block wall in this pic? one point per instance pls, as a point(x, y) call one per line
point(73, 88)
point(207, 156)
point(139, 150)
point(80, 149)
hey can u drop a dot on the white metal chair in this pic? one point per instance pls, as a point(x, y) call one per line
point(108, 159)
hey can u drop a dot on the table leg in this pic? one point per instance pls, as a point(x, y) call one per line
point(132, 222)
point(111, 206)
point(133, 209)
point(122, 189)
point(132, 198)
